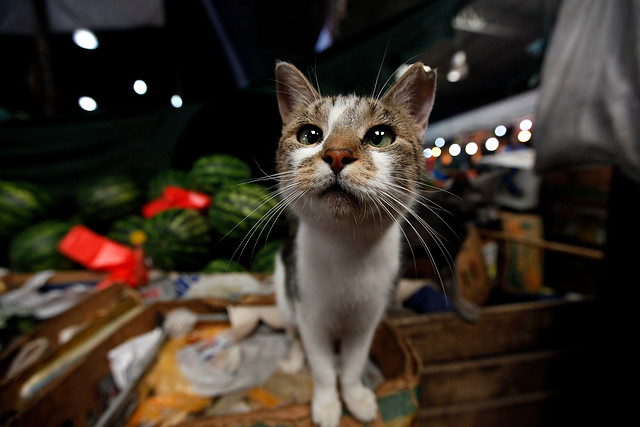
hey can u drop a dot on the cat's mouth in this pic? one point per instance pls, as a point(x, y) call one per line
point(337, 193)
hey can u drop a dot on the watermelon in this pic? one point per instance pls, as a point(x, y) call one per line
point(102, 201)
point(237, 209)
point(21, 204)
point(165, 178)
point(223, 265)
point(36, 248)
point(178, 240)
point(124, 229)
point(264, 260)
point(209, 173)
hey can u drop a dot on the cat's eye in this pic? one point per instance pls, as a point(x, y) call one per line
point(379, 136)
point(309, 135)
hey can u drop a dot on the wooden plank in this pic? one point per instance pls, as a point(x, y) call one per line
point(527, 410)
point(544, 244)
point(495, 377)
point(500, 329)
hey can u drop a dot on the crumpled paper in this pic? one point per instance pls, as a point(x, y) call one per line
point(43, 305)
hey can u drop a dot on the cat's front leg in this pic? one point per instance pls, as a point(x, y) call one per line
point(360, 400)
point(326, 408)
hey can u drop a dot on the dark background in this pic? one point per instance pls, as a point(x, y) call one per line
point(219, 56)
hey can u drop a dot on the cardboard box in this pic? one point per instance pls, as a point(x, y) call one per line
point(74, 399)
point(87, 318)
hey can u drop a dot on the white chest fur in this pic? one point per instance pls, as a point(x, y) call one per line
point(345, 278)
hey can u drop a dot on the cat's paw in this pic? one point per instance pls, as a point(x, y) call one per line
point(291, 366)
point(294, 362)
point(326, 410)
point(361, 402)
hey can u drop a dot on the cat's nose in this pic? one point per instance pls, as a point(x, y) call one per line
point(338, 159)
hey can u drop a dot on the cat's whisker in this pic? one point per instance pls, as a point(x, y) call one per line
point(380, 204)
point(401, 209)
point(384, 55)
point(272, 215)
point(429, 205)
point(308, 101)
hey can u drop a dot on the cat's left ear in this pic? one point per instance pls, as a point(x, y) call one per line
point(293, 89)
point(415, 90)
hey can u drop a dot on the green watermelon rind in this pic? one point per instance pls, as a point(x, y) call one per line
point(238, 210)
point(107, 198)
point(122, 228)
point(178, 240)
point(209, 173)
point(223, 265)
point(36, 247)
point(21, 204)
point(161, 180)
point(264, 259)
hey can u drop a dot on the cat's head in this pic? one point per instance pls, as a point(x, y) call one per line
point(348, 158)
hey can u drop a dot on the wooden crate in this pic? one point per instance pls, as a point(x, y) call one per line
point(517, 365)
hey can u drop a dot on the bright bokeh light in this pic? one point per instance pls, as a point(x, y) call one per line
point(440, 142)
point(87, 103)
point(176, 101)
point(85, 39)
point(471, 148)
point(492, 144)
point(455, 149)
point(454, 76)
point(524, 136)
point(500, 130)
point(427, 152)
point(140, 87)
point(436, 151)
point(526, 124)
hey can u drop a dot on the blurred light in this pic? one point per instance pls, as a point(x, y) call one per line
point(526, 124)
point(435, 152)
point(440, 142)
point(524, 136)
point(459, 67)
point(492, 144)
point(85, 39)
point(454, 76)
point(87, 103)
point(500, 130)
point(454, 150)
point(176, 101)
point(471, 148)
point(427, 152)
point(140, 87)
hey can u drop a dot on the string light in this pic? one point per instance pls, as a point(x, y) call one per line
point(454, 149)
point(427, 152)
point(436, 151)
point(524, 136)
point(500, 130)
point(440, 142)
point(526, 124)
point(492, 144)
point(471, 148)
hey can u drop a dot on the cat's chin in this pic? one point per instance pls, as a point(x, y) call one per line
point(337, 196)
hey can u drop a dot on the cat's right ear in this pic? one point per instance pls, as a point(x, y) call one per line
point(293, 89)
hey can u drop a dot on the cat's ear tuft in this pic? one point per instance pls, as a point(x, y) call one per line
point(293, 89)
point(415, 90)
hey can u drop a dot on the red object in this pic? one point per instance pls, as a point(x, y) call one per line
point(96, 252)
point(176, 197)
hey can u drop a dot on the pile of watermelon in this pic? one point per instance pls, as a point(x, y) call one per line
point(240, 230)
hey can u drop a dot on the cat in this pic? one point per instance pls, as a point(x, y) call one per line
point(348, 170)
